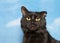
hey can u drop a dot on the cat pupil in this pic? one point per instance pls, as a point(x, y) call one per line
point(28, 18)
point(37, 19)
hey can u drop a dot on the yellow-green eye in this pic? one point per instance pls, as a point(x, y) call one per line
point(37, 19)
point(28, 18)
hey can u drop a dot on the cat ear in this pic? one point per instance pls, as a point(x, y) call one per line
point(24, 10)
point(43, 13)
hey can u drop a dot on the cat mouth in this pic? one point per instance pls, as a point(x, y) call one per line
point(33, 27)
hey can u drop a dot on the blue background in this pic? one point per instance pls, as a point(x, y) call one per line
point(10, 15)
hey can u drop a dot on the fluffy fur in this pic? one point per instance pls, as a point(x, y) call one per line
point(33, 25)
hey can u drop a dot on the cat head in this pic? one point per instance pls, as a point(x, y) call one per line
point(32, 21)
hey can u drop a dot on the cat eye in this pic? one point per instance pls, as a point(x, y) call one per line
point(37, 19)
point(28, 18)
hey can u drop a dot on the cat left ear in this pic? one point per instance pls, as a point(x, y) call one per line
point(24, 10)
point(43, 13)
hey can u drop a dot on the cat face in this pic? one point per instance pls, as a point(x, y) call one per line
point(32, 20)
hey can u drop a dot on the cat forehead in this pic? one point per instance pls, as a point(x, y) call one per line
point(34, 13)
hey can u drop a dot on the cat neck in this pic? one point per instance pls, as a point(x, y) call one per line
point(36, 32)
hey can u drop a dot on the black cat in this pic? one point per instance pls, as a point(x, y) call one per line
point(33, 25)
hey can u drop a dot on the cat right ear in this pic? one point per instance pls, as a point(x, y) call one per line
point(43, 13)
point(24, 10)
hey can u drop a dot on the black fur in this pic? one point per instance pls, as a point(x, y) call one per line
point(35, 31)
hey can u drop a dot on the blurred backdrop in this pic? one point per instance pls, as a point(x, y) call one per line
point(10, 15)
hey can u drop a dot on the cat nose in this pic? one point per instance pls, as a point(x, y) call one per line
point(32, 22)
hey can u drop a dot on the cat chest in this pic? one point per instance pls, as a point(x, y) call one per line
point(34, 39)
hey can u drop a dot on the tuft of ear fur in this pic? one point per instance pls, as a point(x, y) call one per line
point(24, 10)
point(43, 13)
